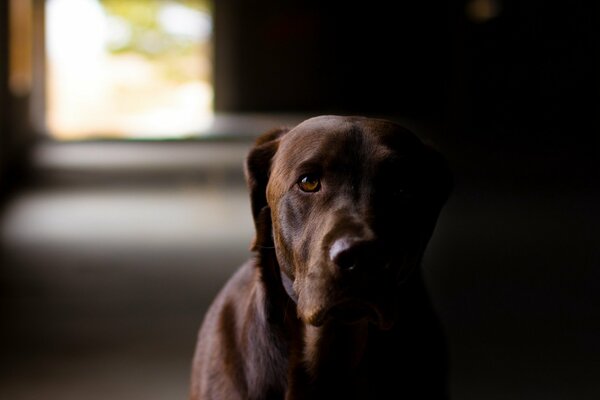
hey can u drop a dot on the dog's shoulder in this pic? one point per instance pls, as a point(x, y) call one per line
point(237, 354)
point(218, 344)
point(227, 308)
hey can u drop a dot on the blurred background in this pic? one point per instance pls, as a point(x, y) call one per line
point(123, 128)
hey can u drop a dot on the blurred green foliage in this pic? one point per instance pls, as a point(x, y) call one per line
point(145, 35)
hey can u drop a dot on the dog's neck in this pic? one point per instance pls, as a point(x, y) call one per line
point(319, 357)
point(334, 347)
point(328, 362)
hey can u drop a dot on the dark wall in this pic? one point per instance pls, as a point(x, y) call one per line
point(535, 66)
point(17, 135)
point(530, 64)
point(378, 57)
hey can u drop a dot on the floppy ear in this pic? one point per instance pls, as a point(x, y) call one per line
point(257, 171)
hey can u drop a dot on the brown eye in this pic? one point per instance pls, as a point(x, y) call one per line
point(309, 183)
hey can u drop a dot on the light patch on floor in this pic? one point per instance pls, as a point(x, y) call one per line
point(117, 218)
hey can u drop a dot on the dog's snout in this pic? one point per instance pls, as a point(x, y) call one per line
point(348, 254)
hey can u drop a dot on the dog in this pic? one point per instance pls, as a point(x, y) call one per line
point(333, 304)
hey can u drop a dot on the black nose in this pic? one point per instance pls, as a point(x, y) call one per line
point(349, 254)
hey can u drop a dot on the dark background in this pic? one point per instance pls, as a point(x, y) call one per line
point(510, 99)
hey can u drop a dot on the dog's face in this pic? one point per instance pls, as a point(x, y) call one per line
point(349, 204)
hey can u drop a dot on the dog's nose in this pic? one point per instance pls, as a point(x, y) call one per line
point(348, 253)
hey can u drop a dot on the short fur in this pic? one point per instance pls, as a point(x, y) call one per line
point(333, 305)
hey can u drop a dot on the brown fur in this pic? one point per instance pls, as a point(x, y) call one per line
point(355, 320)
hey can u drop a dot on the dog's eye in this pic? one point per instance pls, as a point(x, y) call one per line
point(309, 183)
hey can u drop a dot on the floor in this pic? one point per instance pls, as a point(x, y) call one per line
point(108, 267)
point(105, 279)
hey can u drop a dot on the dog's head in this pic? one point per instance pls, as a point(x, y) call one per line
point(348, 204)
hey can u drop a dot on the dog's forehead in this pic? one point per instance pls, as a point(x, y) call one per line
point(331, 134)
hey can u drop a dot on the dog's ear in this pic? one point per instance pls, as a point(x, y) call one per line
point(257, 170)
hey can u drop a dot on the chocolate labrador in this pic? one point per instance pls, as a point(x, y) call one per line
point(333, 305)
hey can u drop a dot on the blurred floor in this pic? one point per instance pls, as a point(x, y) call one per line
point(105, 277)
point(106, 272)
